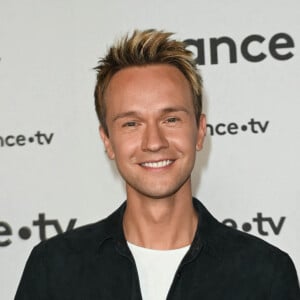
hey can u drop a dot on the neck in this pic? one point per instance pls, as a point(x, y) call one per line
point(166, 223)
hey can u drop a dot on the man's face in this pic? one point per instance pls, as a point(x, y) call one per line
point(153, 135)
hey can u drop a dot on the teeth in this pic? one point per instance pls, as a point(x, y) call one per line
point(157, 164)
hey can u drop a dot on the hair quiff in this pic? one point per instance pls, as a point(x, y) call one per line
point(146, 48)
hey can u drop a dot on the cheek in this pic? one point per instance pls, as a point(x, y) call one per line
point(185, 140)
point(125, 147)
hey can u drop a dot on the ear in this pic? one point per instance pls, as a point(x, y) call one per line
point(201, 132)
point(107, 143)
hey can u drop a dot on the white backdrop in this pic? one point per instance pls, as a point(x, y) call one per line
point(52, 163)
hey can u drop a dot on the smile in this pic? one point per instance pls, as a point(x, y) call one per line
point(157, 164)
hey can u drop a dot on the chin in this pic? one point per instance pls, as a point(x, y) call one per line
point(158, 193)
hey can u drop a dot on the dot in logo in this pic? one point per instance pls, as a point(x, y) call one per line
point(244, 127)
point(31, 139)
point(24, 233)
point(246, 227)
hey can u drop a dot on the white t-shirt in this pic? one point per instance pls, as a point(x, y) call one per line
point(156, 269)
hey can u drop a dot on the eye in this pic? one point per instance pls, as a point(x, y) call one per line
point(130, 124)
point(172, 120)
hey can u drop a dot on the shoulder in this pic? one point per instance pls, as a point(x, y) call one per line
point(83, 239)
point(231, 243)
point(260, 263)
point(80, 240)
point(250, 252)
point(237, 249)
point(244, 244)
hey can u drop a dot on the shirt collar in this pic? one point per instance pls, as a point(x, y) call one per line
point(207, 237)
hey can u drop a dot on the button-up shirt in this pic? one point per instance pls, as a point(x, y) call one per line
point(94, 262)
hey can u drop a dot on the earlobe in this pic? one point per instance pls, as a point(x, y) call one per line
point(201, 132)
point(107, 143)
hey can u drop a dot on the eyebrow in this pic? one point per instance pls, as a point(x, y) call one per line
point(125, 114)
point(175, 109)
point(163, 111)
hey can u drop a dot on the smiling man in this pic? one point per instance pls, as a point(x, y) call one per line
point(161, 243)
point(152, 135)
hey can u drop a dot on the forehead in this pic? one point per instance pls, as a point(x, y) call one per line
point(148, 86)
point(140, 73)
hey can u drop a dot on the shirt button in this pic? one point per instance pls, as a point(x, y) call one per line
point(178, 275)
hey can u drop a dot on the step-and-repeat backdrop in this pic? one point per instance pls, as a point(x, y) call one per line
point(54, 174)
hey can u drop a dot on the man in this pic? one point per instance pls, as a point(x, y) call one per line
point(161, 243)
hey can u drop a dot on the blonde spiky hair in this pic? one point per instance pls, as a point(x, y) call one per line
point(145, 48)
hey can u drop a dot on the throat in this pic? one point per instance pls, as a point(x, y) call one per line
point(160, 228)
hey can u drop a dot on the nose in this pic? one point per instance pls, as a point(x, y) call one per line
point(154, 139)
